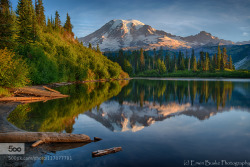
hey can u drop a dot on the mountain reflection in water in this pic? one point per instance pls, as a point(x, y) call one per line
point(122, 106)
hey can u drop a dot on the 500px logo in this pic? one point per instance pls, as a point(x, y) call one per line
point(14, 149)
point(11, 148)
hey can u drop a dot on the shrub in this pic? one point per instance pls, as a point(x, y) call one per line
point(13, 70)
point(4, 92)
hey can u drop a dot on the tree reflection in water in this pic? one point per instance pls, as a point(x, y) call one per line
point(122, 106)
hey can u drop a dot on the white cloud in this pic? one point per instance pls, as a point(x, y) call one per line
point(245, 34)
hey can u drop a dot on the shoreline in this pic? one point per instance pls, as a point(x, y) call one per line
point(194, 79)
point(5, 110)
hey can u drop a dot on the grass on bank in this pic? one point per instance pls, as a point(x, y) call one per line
point(200, 74)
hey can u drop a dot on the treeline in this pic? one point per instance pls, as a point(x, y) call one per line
point(37, 50)
point(140, 61)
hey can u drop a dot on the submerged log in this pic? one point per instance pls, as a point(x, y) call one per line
point(43, 137)
point(97, 139)
point(100, 153)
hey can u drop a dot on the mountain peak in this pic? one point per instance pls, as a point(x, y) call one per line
point(127, 24)
point(204, 33)
point(136, 22)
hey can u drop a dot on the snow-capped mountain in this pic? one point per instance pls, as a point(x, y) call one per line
point(133, 34)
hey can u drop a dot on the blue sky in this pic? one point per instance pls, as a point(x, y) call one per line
point(227, 19)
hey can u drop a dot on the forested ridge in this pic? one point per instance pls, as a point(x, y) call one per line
point(169, 63)
point(35, 49)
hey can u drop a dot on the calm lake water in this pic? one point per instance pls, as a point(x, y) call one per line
point(156, 122)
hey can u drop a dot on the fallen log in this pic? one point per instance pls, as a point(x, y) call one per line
point(45, 87)
point(23, 98)
point(43, 137)
point(100, 153)
point(39, 92)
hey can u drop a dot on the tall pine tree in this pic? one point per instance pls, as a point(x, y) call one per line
point(68, 26)
point(219, 58)
point(25, 20)
point(194, 68)
point(230, 63)
point(142, 61)
point(6, 25)
point(40, 16)
point(225, 57)
point(192, 59)
point(57, 21)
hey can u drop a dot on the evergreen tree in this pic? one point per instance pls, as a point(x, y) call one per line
point(194, 64)
point(68, 26)
point(6, 25)
point(186, 60)
point(207, 62)
point(225, 57)
point(212, 64)
point(49, 25)
point(160, 54)
point(219, 58)
point(222, 64)
point(182, 65)
point(90, 46)
point(215, 60)
point(174, 63)
point(161, 66)
point(98, 49)
point(57, 21)
point(154, 57)
point(189, 64)
point(40, 16)
point(192, 59)
point(25, 20)
point(142, 61)
point(199, 65)
point(168, 62)
point(179, 60)
point(121, 58)
point(202, 61)
point(230, 63)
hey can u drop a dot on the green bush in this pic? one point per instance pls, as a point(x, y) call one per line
point(4, 92)
point(13, 70)
point(42, 69)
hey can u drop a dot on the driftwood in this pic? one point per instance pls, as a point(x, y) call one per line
point(27, 99)
point(52, 90)
point(43, 137)
point(39, 92)
point(29, 95)
point(100, 153)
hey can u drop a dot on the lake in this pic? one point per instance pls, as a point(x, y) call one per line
point(156, 122)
